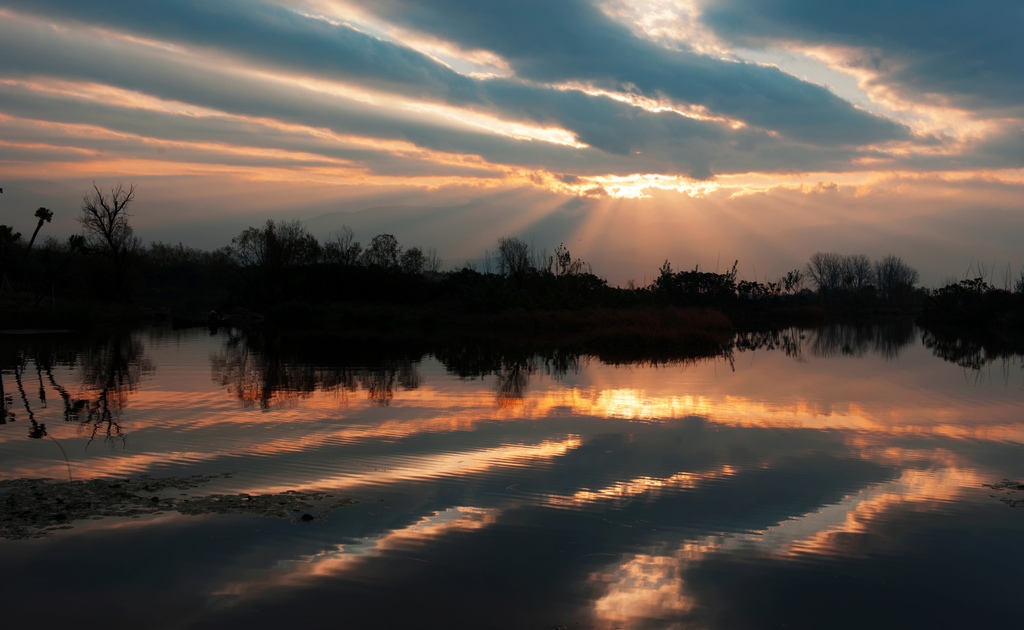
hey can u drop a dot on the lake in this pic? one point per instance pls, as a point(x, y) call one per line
point(833, 478)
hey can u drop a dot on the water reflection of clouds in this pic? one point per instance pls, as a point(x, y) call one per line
point(117, 465)
point(215, 428)
point(461, 410)
point(781, 459)
point(348, 557)
point(426, 467)
point(652, 585)
point(623, 490)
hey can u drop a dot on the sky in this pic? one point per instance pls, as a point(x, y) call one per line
point(634, 131)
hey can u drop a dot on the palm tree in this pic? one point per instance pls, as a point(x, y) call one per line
point(45, 216)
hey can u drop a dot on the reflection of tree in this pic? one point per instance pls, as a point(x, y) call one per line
point(265, 371)
point(831, 340)
point(6, 402)
point(379, 381)
point(484, 359)
point(558, 363)
point(37, 430)
point(789, 341)
point(15, 356)
point(972, 354)
point(511, 367)
point(512, 379)
point(471, 360)
point(257, 378)
point(847, 340)
point(112, 369)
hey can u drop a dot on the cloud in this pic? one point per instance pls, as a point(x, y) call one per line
point(506, 111)
point(573, 40)
point(108, 129)
point(968, 52)
point(271, 35)
point(25, 53)
point(630, 139)
point(594, 51)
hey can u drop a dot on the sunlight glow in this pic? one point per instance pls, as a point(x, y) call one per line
point(669, 23)
point(91, 92)
point(636, 186)
point(656, 106)
point(490, 124)
point(40, 146)
point(864, 182)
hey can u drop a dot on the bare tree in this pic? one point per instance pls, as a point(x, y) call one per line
point(826, 270)
point(513, 257)
point(341, 248)
point(794, 281)
point(433, 262)
point(858, 271)
point(895, 278)
point(562, 263)
point(830, 271)
point(105, 221)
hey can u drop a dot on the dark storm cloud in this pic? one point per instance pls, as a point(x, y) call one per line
point(571, 40)
point(970, 51)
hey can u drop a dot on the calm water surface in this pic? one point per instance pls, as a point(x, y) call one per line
point(818, 479)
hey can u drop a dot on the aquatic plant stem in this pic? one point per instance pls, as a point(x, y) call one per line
point(63, 452)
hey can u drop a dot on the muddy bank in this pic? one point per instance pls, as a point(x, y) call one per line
point(33, 508)
point(1008, 492)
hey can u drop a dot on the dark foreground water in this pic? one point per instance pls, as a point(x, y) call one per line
point(818, 479)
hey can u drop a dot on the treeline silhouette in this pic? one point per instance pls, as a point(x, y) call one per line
point(282, 268)
point(281, 262)
point(972, 322)
point(282, 271)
